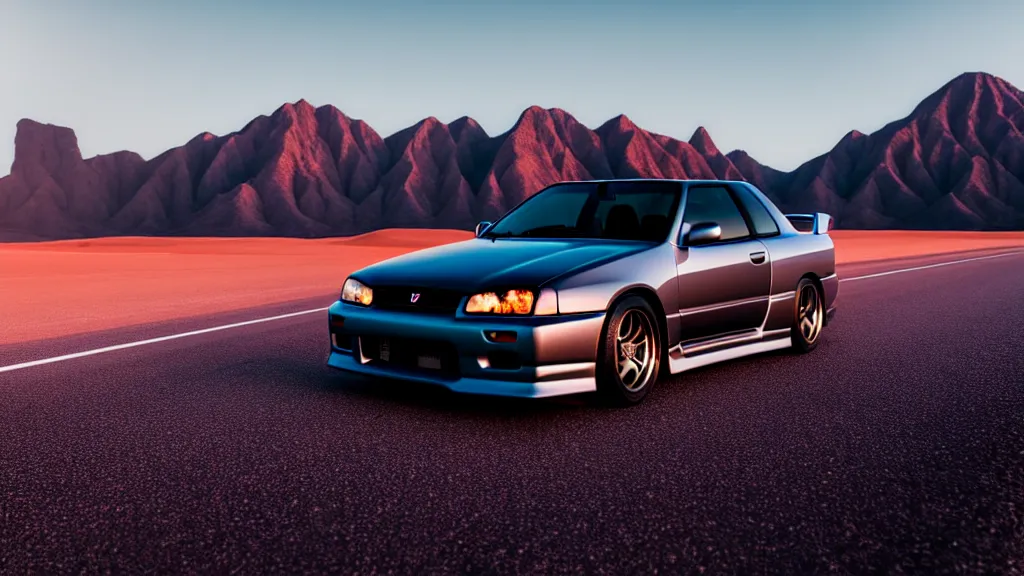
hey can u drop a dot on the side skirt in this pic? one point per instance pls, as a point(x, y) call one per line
point(682, 358)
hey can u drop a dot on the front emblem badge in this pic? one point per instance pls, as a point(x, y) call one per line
point(415, 297)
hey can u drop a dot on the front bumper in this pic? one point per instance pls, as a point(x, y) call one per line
point(554, 355)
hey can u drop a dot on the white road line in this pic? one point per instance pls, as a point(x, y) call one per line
point(14, 367)
point(890, 272)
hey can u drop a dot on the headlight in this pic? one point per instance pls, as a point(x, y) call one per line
point(356, 292)
point(511, 302)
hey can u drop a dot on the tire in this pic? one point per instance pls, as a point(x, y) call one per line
point(632, 341)
point(808, 316)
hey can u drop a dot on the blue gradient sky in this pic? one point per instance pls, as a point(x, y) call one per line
point(782, 80)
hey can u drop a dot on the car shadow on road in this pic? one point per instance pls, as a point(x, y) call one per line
point(706, 379)
point(434, 397)
point(686, 387)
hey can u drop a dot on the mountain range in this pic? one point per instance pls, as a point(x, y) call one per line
point(955, 163)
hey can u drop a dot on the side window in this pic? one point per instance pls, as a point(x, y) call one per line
point(764, 224)
point(715, 204)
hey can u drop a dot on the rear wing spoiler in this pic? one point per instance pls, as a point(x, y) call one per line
point(817, 223)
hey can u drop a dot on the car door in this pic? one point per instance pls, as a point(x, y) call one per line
point(723, 285)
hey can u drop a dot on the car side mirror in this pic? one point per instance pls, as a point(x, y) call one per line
point(703, 233)
point(482, 227)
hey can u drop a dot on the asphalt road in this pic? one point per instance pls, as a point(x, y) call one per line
point(897, 446)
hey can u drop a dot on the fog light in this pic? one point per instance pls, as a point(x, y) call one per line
point(341, 341)
point(337, 322)
point(502, 336)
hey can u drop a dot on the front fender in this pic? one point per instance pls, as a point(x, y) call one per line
point(594, 289)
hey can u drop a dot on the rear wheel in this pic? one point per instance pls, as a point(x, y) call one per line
point(629, 358)
point(809, 316)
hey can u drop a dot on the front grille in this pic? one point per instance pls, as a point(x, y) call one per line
point(427, 356)
point(413, 299)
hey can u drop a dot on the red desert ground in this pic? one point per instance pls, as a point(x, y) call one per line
point(55, 289)
point(956, 163)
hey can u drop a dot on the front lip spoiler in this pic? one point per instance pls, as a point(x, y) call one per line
point(578, 378)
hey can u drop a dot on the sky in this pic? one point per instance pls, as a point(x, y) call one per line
point(783, 80)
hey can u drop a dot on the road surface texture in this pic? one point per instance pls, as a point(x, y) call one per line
point(896, 447)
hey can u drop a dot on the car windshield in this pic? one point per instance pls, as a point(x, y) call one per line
point(622, 210)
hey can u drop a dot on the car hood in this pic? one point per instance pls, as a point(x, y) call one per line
point(484, 264)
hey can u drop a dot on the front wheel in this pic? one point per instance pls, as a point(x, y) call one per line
point(808, 316)
point(629, 357)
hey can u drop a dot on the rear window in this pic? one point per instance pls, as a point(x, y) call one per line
point(764, 224)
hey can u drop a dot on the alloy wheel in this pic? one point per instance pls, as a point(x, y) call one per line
point(635, 348)
point(809, 314)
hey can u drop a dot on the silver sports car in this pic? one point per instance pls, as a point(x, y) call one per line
point(594, 286)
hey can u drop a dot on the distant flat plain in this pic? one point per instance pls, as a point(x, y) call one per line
point(61, 288)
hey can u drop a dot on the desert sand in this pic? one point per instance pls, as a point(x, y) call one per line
point(52, 289)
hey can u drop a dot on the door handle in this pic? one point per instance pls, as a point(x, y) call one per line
point(757, 257)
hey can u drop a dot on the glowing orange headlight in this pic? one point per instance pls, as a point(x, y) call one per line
point(511, 302)
point(356, 292)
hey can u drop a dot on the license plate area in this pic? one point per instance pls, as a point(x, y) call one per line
point(410, 354)
point(428, 361)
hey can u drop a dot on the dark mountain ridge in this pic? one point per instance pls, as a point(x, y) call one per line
point(956, 162)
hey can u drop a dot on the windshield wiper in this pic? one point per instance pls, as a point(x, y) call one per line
point(492, 235)
point(553, 231)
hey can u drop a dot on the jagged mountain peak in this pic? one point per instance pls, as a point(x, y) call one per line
point(957, 161)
